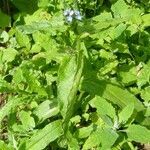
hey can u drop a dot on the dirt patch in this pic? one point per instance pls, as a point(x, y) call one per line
point(2, 100)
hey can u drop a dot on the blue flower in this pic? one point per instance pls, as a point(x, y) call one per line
point(72, 14)
point(77, 12)
point(66, 12)
point(79, 17)
point(69, 18)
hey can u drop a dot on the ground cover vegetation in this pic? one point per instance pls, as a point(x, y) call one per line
point(74, 74)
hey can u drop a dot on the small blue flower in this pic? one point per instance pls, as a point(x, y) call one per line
point(71, 13)
point(79, 17)
point(77, 12)
point(69, 18)
point(66, 12)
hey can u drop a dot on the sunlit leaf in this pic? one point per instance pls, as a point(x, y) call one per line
point(138, 133)
point(45, 136)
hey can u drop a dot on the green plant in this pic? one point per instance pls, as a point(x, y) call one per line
point(76, 84)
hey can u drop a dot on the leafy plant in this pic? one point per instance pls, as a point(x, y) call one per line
point(74, 74)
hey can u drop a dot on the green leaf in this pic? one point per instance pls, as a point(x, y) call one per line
point(30, 77)
point(126, 113)
point(138, 133)
point(45, 136)
point(127, 74)
point(103, 137)
point(92, 141)
point(145, 94)
point(4, 146)
point(5, 20)
point(108, 138)
point(103, 107)
point(132, 29)
point(146, 20)
point(103, 17)
point(36, 26)
point(44, 3)
point(11, 104)
point(42, 21)
point(25, 6)
point(122, 10)
point(147, 113)
point(18, 76)
point(112, 92)
point(143, 75)
point(84, 132)
point(119, 8)
point(72, 142)
point(27, 121)
point(66, 75)
point(5, 86)
point(117, 31)
point(69, 76)
point(90, 73)
point(36, 48)
point(38, 16)
point(9, 54)
point(22, 39)
point(46, 110)
point(108, 67)
point(4, 37)
point(75, 119)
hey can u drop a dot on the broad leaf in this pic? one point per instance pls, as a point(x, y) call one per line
point(27, 121)
point(138, 133)
point(46, 110)
point(5, 20)
point(119, 8)
point(5, 86)
point(9, 54)
point(72, 142)
point(112, 92)
point(127, 74)
point(11, 104)
point(4, 146)
point(69, 76)
point(126, 113)
point(25, 6)
point(4, 37)
point(143, 75)
point(145, 94)
point(103, 107)
point(23, 39)
point(146, 20)
point(117, 31)
point(45, 136)
point(66, 75)
point(84, 132)
point(101, 137)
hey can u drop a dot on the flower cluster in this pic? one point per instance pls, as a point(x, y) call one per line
point(72, 14)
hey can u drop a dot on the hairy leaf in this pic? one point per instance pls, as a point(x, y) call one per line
point(45, 136)
point(103, 107)
point(101, 137)
point(111, 92)
point(138, 133)
point(126, 113)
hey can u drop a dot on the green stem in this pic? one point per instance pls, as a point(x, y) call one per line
point(131, 146)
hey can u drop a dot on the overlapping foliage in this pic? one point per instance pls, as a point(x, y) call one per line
point(82, 83)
